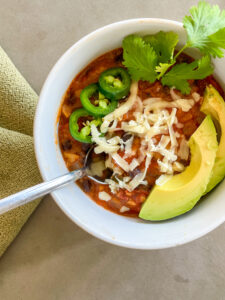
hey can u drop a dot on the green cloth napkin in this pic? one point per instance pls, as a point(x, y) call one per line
point(18, 168)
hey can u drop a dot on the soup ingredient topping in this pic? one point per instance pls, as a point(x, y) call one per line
point(182, 191)
point(214, 105)
point(153, 117)
point(163, 44)
point(104, 196)
point(100, 106)
point(206, 29)
point(79, 130)
point(180, 73)
point(114, 83)
point(139, 58)
point(151, 57)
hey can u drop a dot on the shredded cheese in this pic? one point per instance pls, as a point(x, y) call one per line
point(183, 151)
point(179, 167)
point(103, 144)
point(150, 118)
point(104, 196)
point(183, 104)
point(139, 178)
point(121, 162)
point(196, 96)
point(125, 107)
point(124, 209)
point(163, 179)
point(174, 96)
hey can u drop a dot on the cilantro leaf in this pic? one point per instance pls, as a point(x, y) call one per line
point(139, 58)
point(204, 22)
point(162, 68)
point(180, 73)
point(217, 39)
point(163, 43)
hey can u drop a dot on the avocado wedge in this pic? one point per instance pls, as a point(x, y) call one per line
point(214, 105)
point(180, 193)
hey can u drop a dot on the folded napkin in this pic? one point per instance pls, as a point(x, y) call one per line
point(18, 168)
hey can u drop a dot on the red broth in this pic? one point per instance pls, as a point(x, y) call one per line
point(74, 152)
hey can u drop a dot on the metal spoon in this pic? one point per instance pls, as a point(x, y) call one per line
point(45, 188)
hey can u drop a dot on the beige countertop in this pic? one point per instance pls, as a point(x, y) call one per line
point(52, 258)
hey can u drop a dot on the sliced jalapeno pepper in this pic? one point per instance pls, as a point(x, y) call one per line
point(114, 83)
point(83, 134)
point(103, 106)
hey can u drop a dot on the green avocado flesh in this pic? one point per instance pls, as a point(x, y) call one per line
point(214, 105)
point(180, 193)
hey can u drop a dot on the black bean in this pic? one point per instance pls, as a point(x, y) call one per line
point(107, 173)
point(134, 172)
point(119, 57)
point(67, 145)
point(89, 70)
point(126, 137)
point(86, 185)
point(85, 147)
point(71, 100)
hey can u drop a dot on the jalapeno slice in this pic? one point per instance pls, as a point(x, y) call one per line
point(95, 103)
point(82, 135)
point(114, 83)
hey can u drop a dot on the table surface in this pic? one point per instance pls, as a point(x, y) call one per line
point(52, 258)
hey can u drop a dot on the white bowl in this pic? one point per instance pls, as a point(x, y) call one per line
point(112, 228)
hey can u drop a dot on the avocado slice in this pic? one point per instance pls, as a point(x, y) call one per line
point(214, 105)
point(180, 193)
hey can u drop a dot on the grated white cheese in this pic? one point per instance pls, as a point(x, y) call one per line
point(124, 209)
point(110, 165)
point(163, 179)
point(184, 104)
point(196, 96)
point(151, 117)
point(165, 166)
point(112, 185)
point(160, 148)
point(121, 162)
point(138, 105)
point(139, 178)
point(170, 122)
point(183, 151)
point(174, 96)
point(113, 126)
point(133, 127)
point(125, 107)
point(177, 166)
point(104, 196)
point(164, 141)
point(134, 164)
point(128, 146)
point(104, 145)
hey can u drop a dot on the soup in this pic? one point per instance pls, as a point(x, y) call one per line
point(129, 161)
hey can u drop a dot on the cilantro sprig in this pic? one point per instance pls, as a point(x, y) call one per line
point(180, 73)
point(164, 44)
point(151, 57)
point(205, 21)
point(139, 58)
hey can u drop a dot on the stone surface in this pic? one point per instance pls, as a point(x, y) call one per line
point(54, 259)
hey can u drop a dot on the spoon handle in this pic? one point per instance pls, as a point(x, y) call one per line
point(38, 190)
